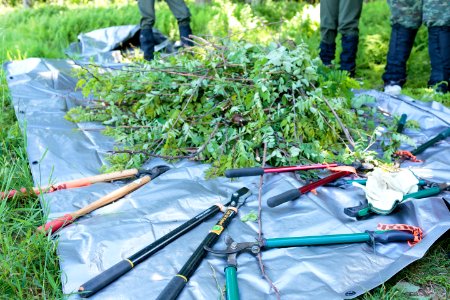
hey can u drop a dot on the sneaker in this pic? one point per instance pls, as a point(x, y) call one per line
point(393, 90)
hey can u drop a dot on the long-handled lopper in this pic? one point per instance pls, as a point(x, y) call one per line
point(365, 210)
point(386, 234)
point(257, 171)
point(76, 183)
point(113, 273)
point(60, 222)
point(176, 285)
point(296, 193)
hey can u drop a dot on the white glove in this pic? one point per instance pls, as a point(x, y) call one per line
point(383, 189)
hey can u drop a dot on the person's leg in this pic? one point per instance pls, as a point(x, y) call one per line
point(329, 12)
point(436, 16)
point(147, 10)
point(349, 14)
point(406, 18)
point(183, 16)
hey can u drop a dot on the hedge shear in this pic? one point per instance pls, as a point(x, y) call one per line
point(386, 233)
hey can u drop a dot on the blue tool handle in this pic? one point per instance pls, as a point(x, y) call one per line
point(232, 288)
point(103, 279)
point(173, 289)
point(390, 236)
point(244, 172)
point(284, 197)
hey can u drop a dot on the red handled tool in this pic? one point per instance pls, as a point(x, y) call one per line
point(296, 193)
point(73, 183)
point(60, 222)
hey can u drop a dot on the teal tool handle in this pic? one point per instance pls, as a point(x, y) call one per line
point(423, 193)
point(441, 136)
point(376, 236)
point(401, 123)
point(232, 289)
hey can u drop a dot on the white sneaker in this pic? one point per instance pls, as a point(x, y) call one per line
point(393, 90)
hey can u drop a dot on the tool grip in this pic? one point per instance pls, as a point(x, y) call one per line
point(244, 172)
point(423, 193)
point(232, 288)
point(401, 123)
point(173, 289)
point(392, 236)
point(284, 197)
point(103, 279)
point(441, 136)
point(357, 211)
point(56, 224)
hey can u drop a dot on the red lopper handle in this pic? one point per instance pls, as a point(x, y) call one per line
point(56, 224)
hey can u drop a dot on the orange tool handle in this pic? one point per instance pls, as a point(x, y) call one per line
point(73, 183)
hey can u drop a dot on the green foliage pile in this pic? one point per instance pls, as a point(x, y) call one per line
point(221, 102)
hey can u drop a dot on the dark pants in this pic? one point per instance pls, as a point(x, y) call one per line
point(340, 16)
point(178, 8)
point(406, 18)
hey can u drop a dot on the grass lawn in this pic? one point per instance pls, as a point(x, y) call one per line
point(29, 267)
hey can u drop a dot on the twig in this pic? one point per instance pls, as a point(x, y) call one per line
point(190, 156)
point(344, 129)
point(260, 233)
point(114, 127)
point(221, 292)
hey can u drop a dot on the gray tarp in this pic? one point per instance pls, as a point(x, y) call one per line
point(42, 90)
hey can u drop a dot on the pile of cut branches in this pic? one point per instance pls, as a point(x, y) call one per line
point(220, 102)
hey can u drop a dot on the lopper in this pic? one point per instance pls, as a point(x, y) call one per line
point(178, 282)
point(385, 234)
point(116, 271)
point(77, 183)
point(67, 219)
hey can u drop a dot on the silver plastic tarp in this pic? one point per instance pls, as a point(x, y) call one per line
point(42, 90)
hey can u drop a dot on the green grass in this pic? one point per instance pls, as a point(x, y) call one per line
point(28, 262)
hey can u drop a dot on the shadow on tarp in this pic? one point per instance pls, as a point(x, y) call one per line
point(108, 44)
point(42, 91)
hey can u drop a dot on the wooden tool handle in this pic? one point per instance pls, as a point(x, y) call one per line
point(119, 193)
point(112, 176)
point(76, 183)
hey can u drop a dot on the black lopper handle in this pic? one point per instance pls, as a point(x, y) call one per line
point(285, 197)
point(103, 279)
point(392, 236)
point(256, 171)
point(173, 289)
